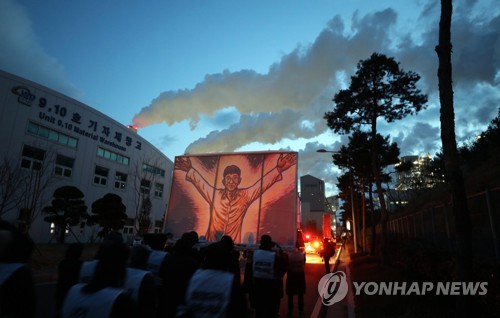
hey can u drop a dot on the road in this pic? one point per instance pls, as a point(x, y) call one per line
point(314, 271)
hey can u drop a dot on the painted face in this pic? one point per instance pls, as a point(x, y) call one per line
point(231, 181)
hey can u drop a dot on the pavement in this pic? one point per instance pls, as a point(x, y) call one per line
point(344, 308)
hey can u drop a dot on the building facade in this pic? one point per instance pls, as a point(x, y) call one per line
point(313, 202)
point(50, 140)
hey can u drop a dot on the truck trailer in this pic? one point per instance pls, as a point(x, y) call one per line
point(240, 194)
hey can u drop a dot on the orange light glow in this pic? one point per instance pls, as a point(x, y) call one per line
point(133, 127)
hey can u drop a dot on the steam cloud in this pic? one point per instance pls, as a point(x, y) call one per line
point(290, 100)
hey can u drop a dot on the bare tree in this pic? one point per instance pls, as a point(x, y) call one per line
point(24, 185)
point(11, 179)
point(144, 180)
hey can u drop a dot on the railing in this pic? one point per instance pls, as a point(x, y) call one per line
point(435, 224)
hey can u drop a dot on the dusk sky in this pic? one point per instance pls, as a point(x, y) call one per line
point(226, 75)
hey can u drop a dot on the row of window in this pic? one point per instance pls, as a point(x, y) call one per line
point(113, 156)
point(32, 159)
point(52, 135)
point(154, 170)
point(101, 176)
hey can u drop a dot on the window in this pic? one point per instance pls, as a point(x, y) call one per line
point(158, 190)
point(52, 135)
point(64, 166)
point(53, 229)
point(110, 155)
point(145, 186)
point(154, 170)
point(158, 226)
point(101, 175)
point(128, 228)
point(32, 158)
point(120, 180)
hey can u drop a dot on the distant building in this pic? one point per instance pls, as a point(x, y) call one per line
point(313, 202)
point(51, 140)
point(334, 207)
point(410, 183)
point(417, 177)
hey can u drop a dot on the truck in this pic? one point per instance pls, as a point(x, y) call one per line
point(240, 194)
point(327, 225)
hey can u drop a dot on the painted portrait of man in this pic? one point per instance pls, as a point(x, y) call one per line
point(240, 195)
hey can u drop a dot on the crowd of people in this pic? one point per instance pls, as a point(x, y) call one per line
point(183, 279)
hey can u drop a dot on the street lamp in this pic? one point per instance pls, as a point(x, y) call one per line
point(352, 203)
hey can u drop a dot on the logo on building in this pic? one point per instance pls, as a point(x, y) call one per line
point(333, 288)
point(24, 95)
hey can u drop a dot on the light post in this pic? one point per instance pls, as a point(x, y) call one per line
point(352, 202)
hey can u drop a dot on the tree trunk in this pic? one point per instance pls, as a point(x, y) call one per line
point(372, 218)
point(380, 191)
point(450, 155)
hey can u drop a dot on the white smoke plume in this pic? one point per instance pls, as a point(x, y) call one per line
point(289, 101)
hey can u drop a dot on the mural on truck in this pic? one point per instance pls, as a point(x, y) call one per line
point(243, 195)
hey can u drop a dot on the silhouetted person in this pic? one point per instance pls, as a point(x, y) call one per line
point(213, 290)
point(267, 279)
point(103, 296)
point(175, 273)
point(140, 281)
point(68, 272)
point(296, 279)
point(248, 285)
point(326, 253)
point(17, 293)
point(234, 256)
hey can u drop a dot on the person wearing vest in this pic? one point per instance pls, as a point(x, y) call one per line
point(17, 292)
point(213, 290)
point(296, 279)
point(68, 272)
point(267, 284)
point(175, 273)
point(103, 296)
point(140, 282)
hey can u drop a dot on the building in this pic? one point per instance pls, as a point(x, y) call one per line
point(417, 177)
point(50, 140)
point(313, 203)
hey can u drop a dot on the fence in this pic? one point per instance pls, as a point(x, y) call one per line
point(436, 224)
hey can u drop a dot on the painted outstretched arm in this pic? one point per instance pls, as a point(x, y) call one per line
point(193, 176)
point(285, 161)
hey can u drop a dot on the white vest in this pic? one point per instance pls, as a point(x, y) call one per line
point(95, 305)
point(154, 261)
point(209, 293)
point(133, 281)
point(296, 260)
point(263, 264)
point(87, 271)
point(7, 270)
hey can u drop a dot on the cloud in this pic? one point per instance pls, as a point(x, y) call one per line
point(22, 54)
point(289, 101)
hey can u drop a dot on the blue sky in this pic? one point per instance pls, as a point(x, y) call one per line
point(226, 75)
